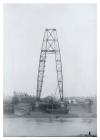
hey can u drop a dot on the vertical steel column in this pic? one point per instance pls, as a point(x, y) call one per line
point(50, 45)
point(59, 67)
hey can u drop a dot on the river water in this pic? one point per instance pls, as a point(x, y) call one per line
point(49, 126)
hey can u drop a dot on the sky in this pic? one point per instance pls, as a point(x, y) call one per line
point(24, 26)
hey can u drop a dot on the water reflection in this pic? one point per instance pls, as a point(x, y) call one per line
point(87, 120)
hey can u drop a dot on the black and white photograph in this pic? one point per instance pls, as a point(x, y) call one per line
point(50, 70)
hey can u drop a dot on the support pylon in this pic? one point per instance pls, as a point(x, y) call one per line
point(50, 45)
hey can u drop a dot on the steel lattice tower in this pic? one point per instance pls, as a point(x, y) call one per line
point(50, 45)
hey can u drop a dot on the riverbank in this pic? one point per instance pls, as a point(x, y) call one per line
point(75, 111)
point(40, 114)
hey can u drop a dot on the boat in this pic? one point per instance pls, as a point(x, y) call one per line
point(54, 108)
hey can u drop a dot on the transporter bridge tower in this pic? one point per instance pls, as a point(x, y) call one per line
point(50, 45)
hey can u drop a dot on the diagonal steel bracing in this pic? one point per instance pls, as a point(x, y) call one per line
point(50, 45)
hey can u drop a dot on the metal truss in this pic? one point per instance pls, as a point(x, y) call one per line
point(50, 45)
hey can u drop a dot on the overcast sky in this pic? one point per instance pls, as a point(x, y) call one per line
point(24, 26)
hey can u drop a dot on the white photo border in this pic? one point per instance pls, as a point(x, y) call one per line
point(2, 2)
